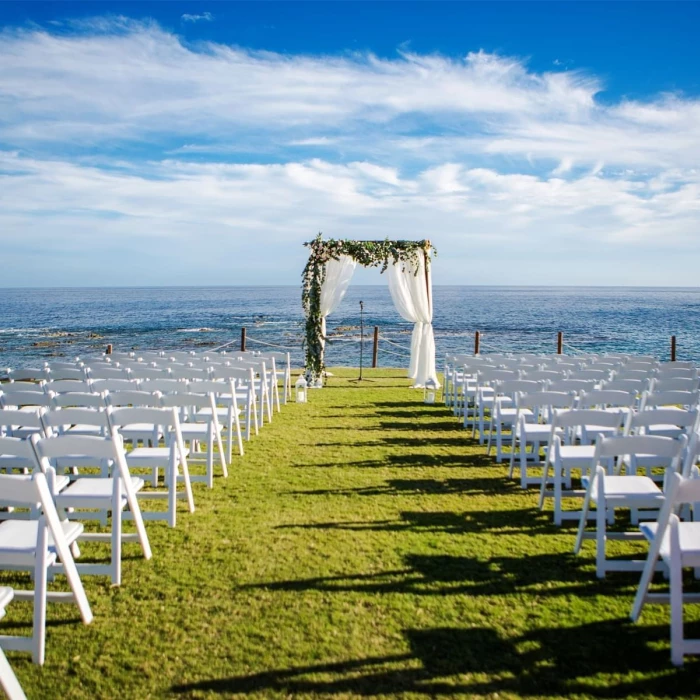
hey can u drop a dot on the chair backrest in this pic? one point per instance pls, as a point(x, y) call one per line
point(9, 398)
point(637, 422)
point(642, 445)
point(244, 375)
point(133, 398)
point(30, 373)
point(100, 385)
point(12, 419)
point(612, 398)
point(545, 401)
point(56, 422)
point(217, 387)
point(640, 365)
point(186, 399)
point(569, 418)
point(488, 375)
point(63, 386)
point(160, 416)
point(599, 375)
point(65, 373)
point(25, 385)
point(99, 448)
point(78, 398)
point(511, 387)
point(541, 375)
point(669, 398)
point(678, 383)
point(568, 385)
point(16, 453)
point(165, 386)
point(635, 385)
point(189, 373)
point(109, 372)
point(147, 372)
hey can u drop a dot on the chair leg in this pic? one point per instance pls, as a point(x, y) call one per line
point(40, 588)
point(116, 565)
point(600, 531)
point(677, 640)
point(584, 519)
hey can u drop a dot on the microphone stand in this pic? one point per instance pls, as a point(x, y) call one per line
point(362, 337)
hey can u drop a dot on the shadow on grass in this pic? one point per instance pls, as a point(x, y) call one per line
point(450, 661)
point(524, 520)
point(417, 487)
point(543, 575)
point(426, 460)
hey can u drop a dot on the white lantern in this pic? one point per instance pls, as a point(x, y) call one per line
point(301, 389)
point(430, 391)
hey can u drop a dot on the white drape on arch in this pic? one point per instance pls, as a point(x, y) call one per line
point(338, 275)
point(411, 290)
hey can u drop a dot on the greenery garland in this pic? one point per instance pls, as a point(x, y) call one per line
point(366, 253)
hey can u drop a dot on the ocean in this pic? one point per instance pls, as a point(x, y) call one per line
point(37, 325)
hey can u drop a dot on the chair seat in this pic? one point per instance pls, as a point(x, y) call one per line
point(87, 488)
point(577, 452)
point(689, 533)
point(536, 430)
point(150, 453)
point(19, 536)
point(508, 413)
point(629, 487)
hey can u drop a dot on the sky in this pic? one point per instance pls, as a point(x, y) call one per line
point(201, 143)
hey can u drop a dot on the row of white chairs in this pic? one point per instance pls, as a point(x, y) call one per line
point(635, 448)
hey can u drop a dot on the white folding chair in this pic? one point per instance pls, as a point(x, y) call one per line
point(111, 494)
point(37, 546)
point(503, 412)
point(283, 372)
point(570, 449)
point(207, 430)
point(172, 458)
point(245, 393)
point(224, 392)
point(532, 427)
point(610, 491)
point(677, 544)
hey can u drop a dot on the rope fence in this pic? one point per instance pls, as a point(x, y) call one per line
point(395, 349)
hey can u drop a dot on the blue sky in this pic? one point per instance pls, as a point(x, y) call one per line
point(202, 143)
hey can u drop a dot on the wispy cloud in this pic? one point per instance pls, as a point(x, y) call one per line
point(203, 17)
point(489, 159)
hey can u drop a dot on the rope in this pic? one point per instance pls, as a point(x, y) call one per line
point(576, 350)
point(391, 342)
point(273, 345)
point(225, 345)
point(398, 354)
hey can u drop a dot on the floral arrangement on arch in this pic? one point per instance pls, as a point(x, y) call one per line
point(366, 253)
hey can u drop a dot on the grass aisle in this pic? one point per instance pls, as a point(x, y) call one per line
point(365, 546)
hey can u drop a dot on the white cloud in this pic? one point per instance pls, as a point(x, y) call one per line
point(204, 17)
point(491, 160)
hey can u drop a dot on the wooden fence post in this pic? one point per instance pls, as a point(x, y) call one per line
point(243, 339)
point(560, 343)
point(477, 342)
point(375, 347)
point(108, 351)
point(673, 348)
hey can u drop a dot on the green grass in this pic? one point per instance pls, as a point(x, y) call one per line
point(364, 546)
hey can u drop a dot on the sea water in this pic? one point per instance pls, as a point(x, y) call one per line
point(38, 325)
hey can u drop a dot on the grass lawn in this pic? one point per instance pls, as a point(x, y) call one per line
point(364, 546)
